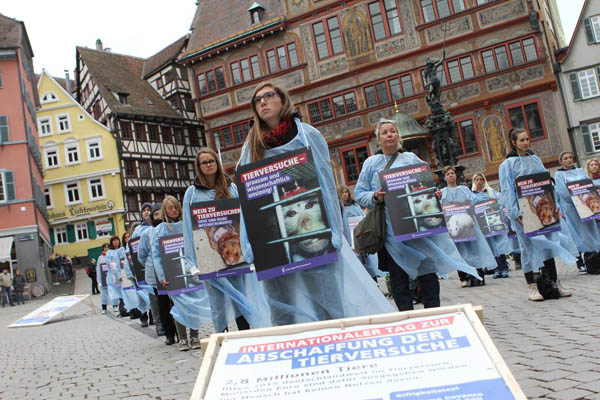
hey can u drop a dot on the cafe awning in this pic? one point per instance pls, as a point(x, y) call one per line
point(5, 248)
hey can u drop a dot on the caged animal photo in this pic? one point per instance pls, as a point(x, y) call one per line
point(461, 226)
point(425, 204)
point(543, 206)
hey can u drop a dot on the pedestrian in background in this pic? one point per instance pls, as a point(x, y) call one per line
point(19, 283)
point(61, 267)
point(91, 272)
point(53, 268)
point(6, 283)
point(68, 266)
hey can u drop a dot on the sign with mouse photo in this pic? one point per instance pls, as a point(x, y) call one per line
point(286, 220)
point(536, 200)
point(460, 220)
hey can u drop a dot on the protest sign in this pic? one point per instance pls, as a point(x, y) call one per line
point(286, 219)
point(103, 272)
point(411, 202)
point(490, 217)
point(175, 267)
point(536, 200)
point(50, 310)
point(216, 231)
point(352, 222)
point(460, 220)
point(585, 198)
point(429, 354)
point(137, 268)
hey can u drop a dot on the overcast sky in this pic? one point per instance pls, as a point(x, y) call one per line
point(134, 27)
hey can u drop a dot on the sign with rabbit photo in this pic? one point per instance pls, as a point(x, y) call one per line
point(287, 223)
point(460, 221)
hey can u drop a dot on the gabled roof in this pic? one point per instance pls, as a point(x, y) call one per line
point(117, 73)
point(564, 55)
point(216, 21)
point(162, 58)
point(13, 34)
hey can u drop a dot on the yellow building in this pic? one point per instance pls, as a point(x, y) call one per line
point(81, 174)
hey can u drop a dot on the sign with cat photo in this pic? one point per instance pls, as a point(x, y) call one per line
point(536, 200)
point(490, 217)
point(585, 198)
point(412, 204)
point(284, 213)
point(216, 230)
point(176, 269)
point(460, 220)
point(138, 269)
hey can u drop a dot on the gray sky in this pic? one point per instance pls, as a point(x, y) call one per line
point(134, 27)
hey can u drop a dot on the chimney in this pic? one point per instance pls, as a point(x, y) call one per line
point(99, 44)
point(68, 82)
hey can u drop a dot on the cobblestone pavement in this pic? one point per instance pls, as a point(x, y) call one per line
point(552, 347)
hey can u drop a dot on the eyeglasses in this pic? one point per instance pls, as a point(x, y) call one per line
point(207, 162)
point(268, 96)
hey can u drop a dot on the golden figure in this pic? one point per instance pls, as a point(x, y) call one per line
point(495, 140)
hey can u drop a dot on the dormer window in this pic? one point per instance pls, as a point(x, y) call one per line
point(48, 97)
point(122, 97)
point(256, 13)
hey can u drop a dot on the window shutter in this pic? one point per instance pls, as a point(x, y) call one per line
point(4, 129)
point(589, 33)
point(575, 86)
point(70, 233)
point(112, 224)
point(52, 242)
point(587, 139)
point(10, 185)
point(91, 225)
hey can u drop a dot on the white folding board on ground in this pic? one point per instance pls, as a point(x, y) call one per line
point(441, 353)
point(52, 309)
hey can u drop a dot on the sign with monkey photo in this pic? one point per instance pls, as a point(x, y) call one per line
point(216, 230)
point(585, 198)
point(286, 220)
point(536, 200)
point(411, 202)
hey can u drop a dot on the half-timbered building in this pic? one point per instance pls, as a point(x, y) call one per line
point(156, 142)
point(346, 63)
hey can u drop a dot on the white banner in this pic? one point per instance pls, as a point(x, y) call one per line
point(45, 313)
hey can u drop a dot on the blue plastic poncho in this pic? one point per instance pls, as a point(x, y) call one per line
point(337, 290)
point(113, 277)
point(145, 257)
point(104, 288)
point(370, 261)
point(232, 296)
point(585, 234)
point(433, 254)
point(534, 250)
point(476, 253)
point(134, 296)
point(499, 244)
point(190, 309)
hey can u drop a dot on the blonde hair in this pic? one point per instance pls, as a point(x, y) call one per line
point(587, 166)
point(487, 187)
point(163, 208)
point(221, 185)
point(255, 136)
point(383, 121)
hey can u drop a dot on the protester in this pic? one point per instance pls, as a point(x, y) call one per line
point(116, 258)
point(91, 272)
point(592, 167)
point(68, 267)
point(238, 297)
point(189, 309)
point(537, 253)
point(19, 283)
point(136, 300)
point(476, 252)
point(102, 272)
point(585, 233)
point(336, 290)
point(53, 268)
point(423, 257)
point(6, 282)
point(499, 244)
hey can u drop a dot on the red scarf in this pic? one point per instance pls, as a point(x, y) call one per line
point(276, 137)
point(596, 176)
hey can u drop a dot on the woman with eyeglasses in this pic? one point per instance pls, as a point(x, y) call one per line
point(238, 298)
point(537, 253)
point(336, 290)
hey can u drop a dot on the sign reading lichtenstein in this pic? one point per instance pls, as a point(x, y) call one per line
point(438, 357)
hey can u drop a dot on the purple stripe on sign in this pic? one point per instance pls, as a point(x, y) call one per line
point(297, 266)
point(418, 235)
point(464, 239)
point(496, 233)
point(129, 288)
point(591, 218)
point(543, 231)
point(184, 290)
point(225, 273)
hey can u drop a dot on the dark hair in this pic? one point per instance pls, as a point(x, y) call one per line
point(123, 237)
point(110, 242)
point(448, 168)
point(105, 245)
point(513, 134)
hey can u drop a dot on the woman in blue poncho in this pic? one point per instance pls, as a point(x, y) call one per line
point(476, 252)
point(238, 297)
point(102, 274)
point(115, 259)
point(592, 167)
point(537, 253)
point(190, 309)
point(584, 233)
point(424, 257)
point(499, 244)
point(336, 290)
point(136, 299)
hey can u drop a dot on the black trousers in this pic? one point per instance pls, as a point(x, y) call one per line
point(548, 269)
point(399, 281)
point(95, 286)
point(164, 309)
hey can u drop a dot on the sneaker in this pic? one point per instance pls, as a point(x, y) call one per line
point(115, 308)
point(464, 283)
point(144, 324)
point(56, 283)
point(183, 345)
point(562, 291)
point(103, 311)
point(497, 274)
point(195, 271)
point(533, 293)
point(195, 343)
point(169, 341)
point(69, 281)
point(582, 269)
point(504, 274)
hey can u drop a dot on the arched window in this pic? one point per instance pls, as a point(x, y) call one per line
point(48, 97)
